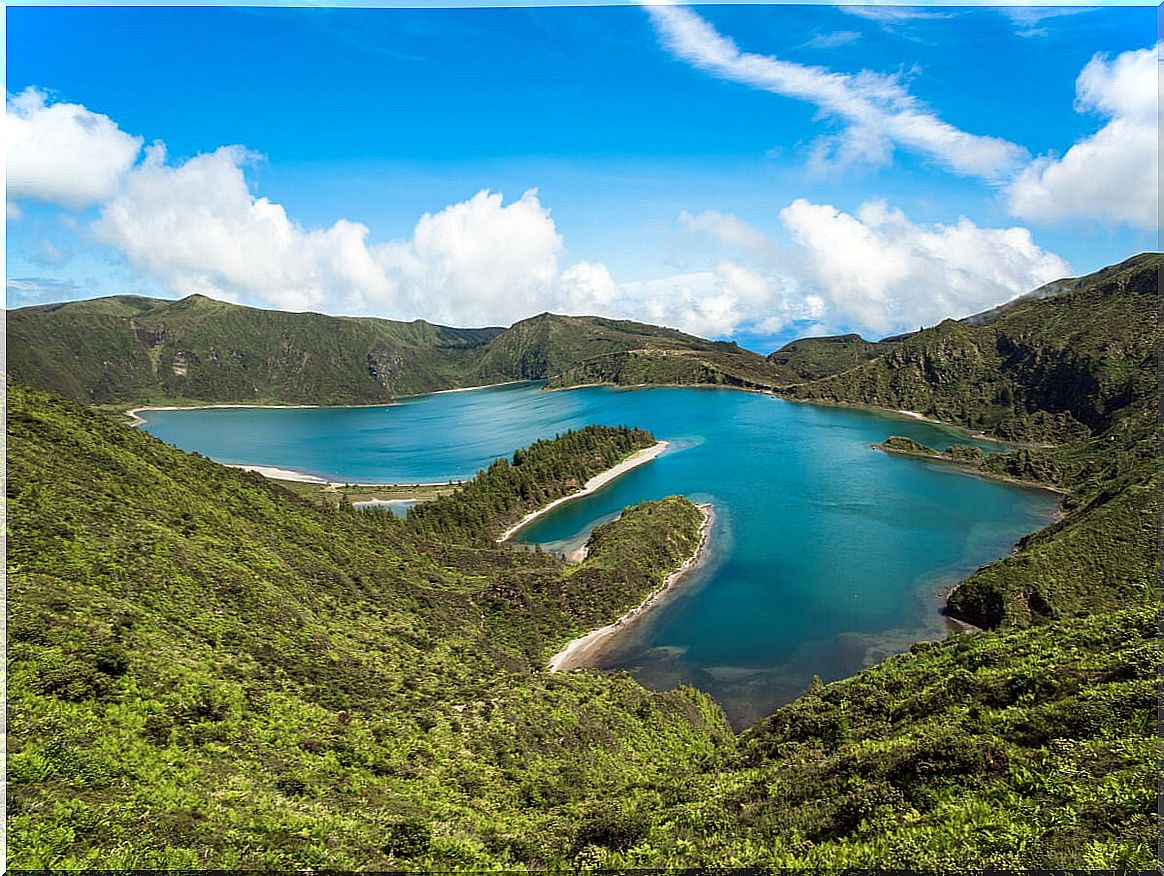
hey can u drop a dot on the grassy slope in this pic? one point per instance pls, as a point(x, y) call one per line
point(1051, 369)
point(576, 350)
point(139, 350)
point(207, 671)
point(813, 358)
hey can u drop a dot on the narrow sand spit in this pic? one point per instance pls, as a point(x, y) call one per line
point(595, 483)
point(579, 651)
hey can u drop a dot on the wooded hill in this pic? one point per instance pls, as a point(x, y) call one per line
point(128, 350)
point(1060, 365)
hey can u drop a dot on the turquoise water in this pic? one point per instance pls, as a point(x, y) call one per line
point(826, 555)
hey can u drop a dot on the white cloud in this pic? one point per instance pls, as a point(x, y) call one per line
point(878, 270)
point(726, 228)
point(894, 14)
point(197, 227)
point(833, 39)
point(1111, 176)
point(729, 299)
point(1028, 19)
point(63, 152)
point(878, 111)
point(481, 261)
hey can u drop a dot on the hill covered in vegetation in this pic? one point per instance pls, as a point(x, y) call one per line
point(129, 350)
point(1051, 368)
point(809, 359)
point(206, 671)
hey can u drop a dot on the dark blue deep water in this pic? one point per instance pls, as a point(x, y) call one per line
point(826, 555)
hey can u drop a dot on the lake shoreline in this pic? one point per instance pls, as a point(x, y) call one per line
point(593, 485)
point(972, 468)
point(136, 419)
point(300, 477)
point(578, 652)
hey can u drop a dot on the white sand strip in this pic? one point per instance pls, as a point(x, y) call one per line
point(577, 653)
point(281, 474)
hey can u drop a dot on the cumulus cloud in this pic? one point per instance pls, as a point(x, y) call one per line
point(1113, 175)
point(197, 227)
point(877, 110)
point(878, 270)
point(62, 152)
point(481, 260)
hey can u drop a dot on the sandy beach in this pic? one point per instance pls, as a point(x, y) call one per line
point(282, 474)
point(135, 414)
point(579, 651)
point(595, 483)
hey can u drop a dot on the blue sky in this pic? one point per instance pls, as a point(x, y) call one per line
point(756, 172)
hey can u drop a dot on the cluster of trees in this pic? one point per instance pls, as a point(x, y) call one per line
point(509, 489)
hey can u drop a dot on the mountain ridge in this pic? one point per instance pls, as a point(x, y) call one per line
point(135, 350)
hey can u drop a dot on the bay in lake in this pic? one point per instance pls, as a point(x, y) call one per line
point(825, 555)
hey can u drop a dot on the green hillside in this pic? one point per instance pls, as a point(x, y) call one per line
point(575, 351)
point(119, 350)
point(206, 671)
point(127, 350)
point(814, 358)
point(1041, 369)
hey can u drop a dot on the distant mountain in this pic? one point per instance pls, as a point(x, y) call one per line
point(129, 349)
point(579, 350)
point(814, 358)
point(1058, 364)
point(140, 350)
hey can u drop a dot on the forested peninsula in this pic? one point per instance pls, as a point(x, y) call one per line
point(206, 671)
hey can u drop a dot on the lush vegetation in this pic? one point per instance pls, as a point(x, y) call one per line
point(509, 489)
point(813, 358)
point(126, 349)
point(1054, 368)
point(206, 670)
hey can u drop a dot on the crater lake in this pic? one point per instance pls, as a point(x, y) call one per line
point(825, 556)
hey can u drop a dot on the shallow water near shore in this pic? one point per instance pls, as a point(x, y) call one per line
point(825, 555)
